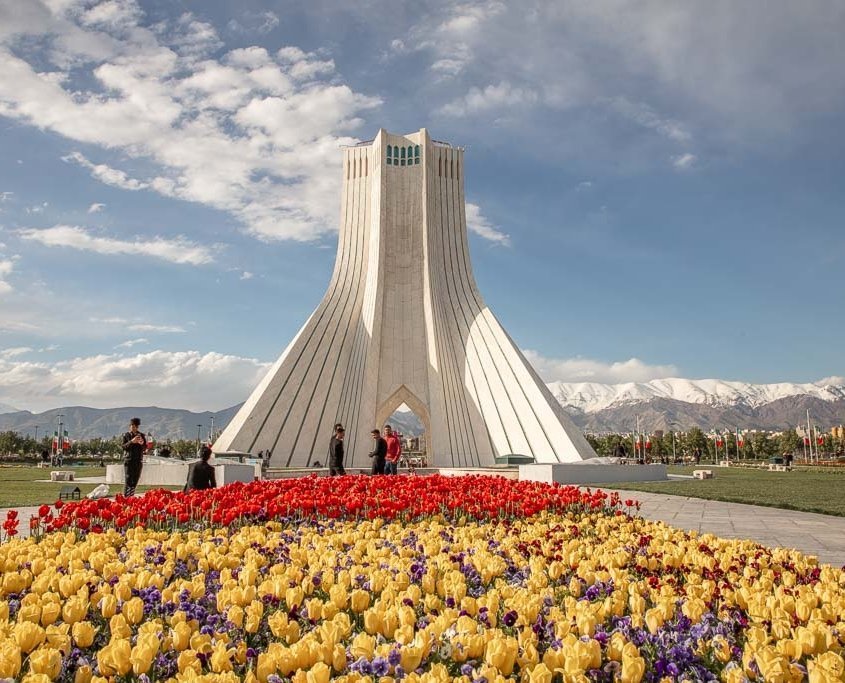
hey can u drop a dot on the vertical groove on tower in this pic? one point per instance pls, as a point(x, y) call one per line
point(457, 390)
point(322, 385)
point(474, 365)
point(452, 227)
point(518, 441)
point(322, 349)
point(312, 326)
point(458, 441)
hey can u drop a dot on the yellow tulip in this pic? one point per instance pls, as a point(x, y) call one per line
point(75, 609)
point(826, 667)
point(319, 673)
point(359, 601)
point(57, 636)
point(47, 661)
point(28, 635)
point(142, 655)
point(188, 661)
point(540, 674)
point(773, 665)
point(114, 659)
point(235, 614)
point(10, 659)
point(633, 669)
point(501, 653)
point(363, 645)
point(118, 627)
point(30, 612)
point(411, 656)
point(201, 642)
point(181, 636)
point(133, 610)
point(108, 606)
point(221, 659)
point(49, 613)
point(83, 674)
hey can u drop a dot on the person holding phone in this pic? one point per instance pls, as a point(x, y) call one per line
point(134, 445)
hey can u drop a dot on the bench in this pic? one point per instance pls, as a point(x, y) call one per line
point(61, 475)
point(702, 474)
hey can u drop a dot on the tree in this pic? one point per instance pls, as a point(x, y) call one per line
point(788, 441)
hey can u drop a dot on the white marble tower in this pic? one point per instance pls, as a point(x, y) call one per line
point(403, 322)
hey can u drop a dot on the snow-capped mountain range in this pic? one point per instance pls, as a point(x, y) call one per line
point(592, 397)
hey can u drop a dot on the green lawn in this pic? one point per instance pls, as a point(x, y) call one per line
point(801, 489)
point(19, 484)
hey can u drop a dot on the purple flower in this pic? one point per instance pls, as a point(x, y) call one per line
point(394, 657)
point(466, 670)
point(380, 667)
point(510, 618)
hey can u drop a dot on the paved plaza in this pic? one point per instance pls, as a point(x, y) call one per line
point(812, 534)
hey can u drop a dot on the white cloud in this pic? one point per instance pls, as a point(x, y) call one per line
point(684, 161)
point(834, 380)
point(482, 227)
point(138, 326)
point(106, 174)
point(129, 343)
point(113, 14)
point(246, 275)
point(179, 250)
point(254, 22)
point(186, 379)
point(245, 132)
point(15, 351)
point(643, 115)
point(589, 370)
point(6, 268)
point(493, 97)
point(6, 196)
point(96, 207)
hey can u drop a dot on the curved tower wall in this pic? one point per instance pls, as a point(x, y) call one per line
point(403, 321)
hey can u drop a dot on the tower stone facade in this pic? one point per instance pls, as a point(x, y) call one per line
point(403, 321)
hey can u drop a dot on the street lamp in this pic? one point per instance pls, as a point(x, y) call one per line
point(199, 427)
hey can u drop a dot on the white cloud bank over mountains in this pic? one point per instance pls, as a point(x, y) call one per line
point(212, 381)
point(168, 379)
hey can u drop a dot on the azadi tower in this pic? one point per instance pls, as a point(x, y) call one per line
point(403, 322)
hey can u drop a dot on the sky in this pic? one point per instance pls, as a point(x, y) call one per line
point(655, 189)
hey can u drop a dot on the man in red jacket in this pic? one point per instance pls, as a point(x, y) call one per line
point(394, 451)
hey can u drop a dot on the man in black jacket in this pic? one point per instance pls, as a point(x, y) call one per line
point(336, 453)
point(134, 445)
point(201, 474)
point(379, 452)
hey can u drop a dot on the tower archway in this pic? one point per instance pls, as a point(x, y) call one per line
point(406, 396)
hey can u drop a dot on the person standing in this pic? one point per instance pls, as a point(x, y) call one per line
point(134, 445)
point(394, 451)
point(379, 453)
point(336, 453)
point(201, 474)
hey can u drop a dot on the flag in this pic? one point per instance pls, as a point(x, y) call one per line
point(806, 440)
point(820, 440)
point(648, 443)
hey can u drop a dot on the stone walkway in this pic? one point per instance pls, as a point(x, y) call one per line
point(812, 534)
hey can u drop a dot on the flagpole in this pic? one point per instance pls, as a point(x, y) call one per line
point(810, 435)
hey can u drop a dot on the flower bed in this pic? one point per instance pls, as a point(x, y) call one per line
point(551, 583)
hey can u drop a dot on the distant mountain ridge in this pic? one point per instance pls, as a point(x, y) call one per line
point(659, 404)
point(591, 397)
